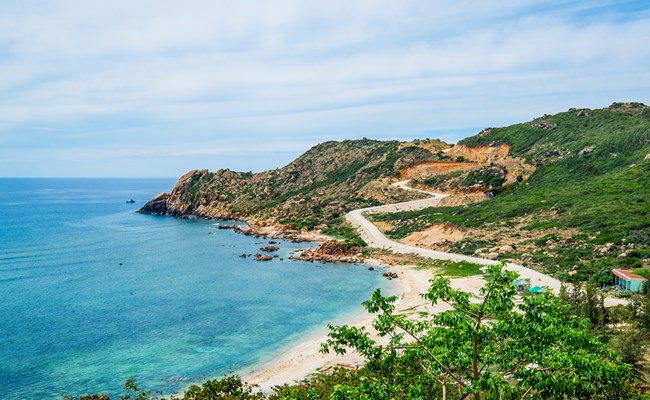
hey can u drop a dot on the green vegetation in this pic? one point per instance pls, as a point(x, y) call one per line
point(452, 269)
point(592, 175)
point(346, 233)
point(492, 177)
point(439, 179)
point(469, 246)
point(623, 328)
point(490, 349)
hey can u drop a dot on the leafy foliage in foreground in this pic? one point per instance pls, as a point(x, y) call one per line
point(488, 347)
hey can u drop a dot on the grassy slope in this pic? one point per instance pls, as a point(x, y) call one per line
point(604, 193)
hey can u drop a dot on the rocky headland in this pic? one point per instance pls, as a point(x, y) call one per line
point(554, 187)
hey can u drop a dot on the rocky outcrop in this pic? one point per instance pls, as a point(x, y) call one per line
point(319, 186)
point(156, 206)
point(390, 275)
point(331, 251)
point(269, 249)
point(544, 124)
point(585, 150)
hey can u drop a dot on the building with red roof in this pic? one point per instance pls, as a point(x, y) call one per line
point(628, 280)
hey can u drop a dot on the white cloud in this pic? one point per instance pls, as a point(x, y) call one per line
point(141, 72)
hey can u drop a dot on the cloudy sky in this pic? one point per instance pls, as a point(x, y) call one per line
point(125, 88)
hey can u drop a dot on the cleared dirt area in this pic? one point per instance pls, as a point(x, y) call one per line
point(482, 154)
point(436, 234)
point(383, 226)
point(427, 169)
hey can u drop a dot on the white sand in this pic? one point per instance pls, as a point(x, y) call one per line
point(305, 359)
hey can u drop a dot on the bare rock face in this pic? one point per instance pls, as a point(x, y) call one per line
point(156, 206)
point(586, 150)
point(546, 125)
point(486, 132)
point(332, 251)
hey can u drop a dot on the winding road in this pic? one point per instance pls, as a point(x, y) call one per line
point(375, 238)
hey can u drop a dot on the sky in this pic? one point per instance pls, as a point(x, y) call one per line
point(154, 88)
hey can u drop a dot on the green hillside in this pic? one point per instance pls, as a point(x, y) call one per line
point(593, 175)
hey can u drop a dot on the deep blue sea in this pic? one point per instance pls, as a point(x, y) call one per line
point(92, 293)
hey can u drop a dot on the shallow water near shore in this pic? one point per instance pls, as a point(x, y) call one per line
point(92, 293)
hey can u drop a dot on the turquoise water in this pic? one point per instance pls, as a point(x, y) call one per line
point(92, 293)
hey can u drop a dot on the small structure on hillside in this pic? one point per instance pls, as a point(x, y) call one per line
point(521, 284)
point(537, 290)
point(628, 280)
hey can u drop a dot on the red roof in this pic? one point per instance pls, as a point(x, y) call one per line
point(626, 274)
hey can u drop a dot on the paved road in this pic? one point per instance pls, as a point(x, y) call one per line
point(375, 238)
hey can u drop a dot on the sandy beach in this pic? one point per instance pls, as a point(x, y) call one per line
point(306, 358)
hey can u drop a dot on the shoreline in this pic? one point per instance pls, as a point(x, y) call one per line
point(304, 358)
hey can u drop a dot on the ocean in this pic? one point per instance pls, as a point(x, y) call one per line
point(92, 293)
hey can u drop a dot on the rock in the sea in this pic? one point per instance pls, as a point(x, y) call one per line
point(263, 257)
point(269, 249)
point(390, 275)
point(156, 206)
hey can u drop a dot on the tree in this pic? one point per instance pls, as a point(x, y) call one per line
point(631, 343)
point(230, 387)
point(484, 347)
point(586, 301)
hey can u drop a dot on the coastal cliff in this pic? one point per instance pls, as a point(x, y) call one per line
point(315, 189)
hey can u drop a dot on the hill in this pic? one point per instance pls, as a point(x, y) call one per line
point(564, 193)
point(313, 191)
point(581, 212)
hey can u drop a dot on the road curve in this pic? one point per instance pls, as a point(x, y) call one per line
point(375, 238)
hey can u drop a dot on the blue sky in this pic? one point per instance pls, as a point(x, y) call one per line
point(154, 88)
